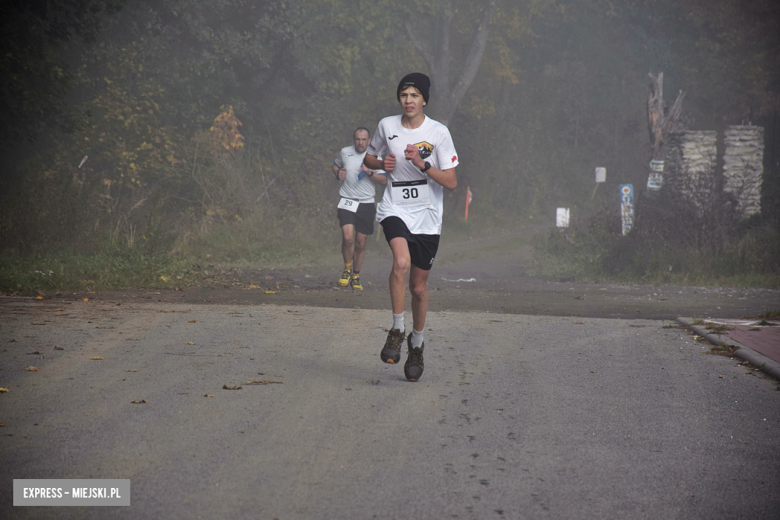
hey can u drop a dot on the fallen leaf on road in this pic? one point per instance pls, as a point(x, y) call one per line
point(226, 387)
point(193, 321)
point(208, 395)
point(58, 348)
point(85, 299)
point(134, 370)
point(96, 358)
point(270, 292)
point(190, 343)
point(35, 353)
point(33, 369)
point(140, 401)
point(13, 341)
point(39, 297)
point(2, 390)
point(721, 377)
point(2, 425)
point(264, 382)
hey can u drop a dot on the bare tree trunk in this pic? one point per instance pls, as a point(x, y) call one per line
point(445, 96)
point(660, 122)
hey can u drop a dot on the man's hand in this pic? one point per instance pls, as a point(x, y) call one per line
point(389, 162)
point(342, 173)
point(413, 154)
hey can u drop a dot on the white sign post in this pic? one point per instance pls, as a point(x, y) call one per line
point(562, 217)
point(601, 176)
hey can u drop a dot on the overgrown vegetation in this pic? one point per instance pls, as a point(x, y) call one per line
point(169, 134)
point(674, 242)
point(770, 315)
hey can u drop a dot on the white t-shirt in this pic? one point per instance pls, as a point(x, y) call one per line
point(362, 190)
point(434, 142)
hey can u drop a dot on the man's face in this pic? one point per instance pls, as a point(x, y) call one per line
point(412, 101)
point(361, 141)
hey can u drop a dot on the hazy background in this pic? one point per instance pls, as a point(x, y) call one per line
point(213, 123)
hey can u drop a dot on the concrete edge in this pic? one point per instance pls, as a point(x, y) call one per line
point(757, 359)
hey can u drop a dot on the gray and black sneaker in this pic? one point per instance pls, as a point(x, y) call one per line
point(414, 366)
point(391, 352)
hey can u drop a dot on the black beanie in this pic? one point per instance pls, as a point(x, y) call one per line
point(418, 80)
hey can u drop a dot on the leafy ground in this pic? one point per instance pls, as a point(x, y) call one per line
point(490, 273)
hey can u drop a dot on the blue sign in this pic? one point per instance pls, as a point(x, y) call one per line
point(627, 207)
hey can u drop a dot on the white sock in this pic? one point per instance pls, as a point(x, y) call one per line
point(398, 321)
point(417, 339)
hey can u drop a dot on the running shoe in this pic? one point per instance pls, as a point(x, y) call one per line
point(345, 277)
point(391, 352)
point(356, 282)
point(414, 366)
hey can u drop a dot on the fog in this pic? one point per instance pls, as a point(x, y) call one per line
point(536, 94)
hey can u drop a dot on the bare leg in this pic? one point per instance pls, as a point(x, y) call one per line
point(401, 263)
point(360, 251)
point(347, 242)
point(418, 286)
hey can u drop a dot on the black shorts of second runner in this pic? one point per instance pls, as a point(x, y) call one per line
point(422, 248)
point(362, 219)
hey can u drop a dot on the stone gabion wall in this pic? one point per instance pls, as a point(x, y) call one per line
point(690, 164)
point(699, 154)
point(743, 166)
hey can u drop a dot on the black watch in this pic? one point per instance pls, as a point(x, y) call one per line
point(426, 167)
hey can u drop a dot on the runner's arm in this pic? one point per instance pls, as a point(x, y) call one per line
point(446, 178)
point(379, 178)
point(337, 172)
point(373, 163)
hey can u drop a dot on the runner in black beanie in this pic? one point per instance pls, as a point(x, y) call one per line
point(418, 80)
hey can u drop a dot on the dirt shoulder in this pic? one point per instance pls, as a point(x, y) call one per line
point(486, 274)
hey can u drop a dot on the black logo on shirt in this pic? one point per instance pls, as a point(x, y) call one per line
point(391, 138)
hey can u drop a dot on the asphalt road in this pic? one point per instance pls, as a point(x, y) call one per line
point(516, 416)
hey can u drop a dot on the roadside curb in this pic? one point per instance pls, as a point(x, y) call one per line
point(768, 366)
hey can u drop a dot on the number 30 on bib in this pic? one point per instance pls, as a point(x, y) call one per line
point(411, 193)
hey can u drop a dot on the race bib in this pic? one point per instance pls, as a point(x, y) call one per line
point(411, 193)
point(348, 204)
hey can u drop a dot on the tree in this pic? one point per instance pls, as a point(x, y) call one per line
point(662, 121)
point(34, 79)
point(438, 55)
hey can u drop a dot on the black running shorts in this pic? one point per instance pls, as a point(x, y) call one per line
point(362, 219)
point(422, 248)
